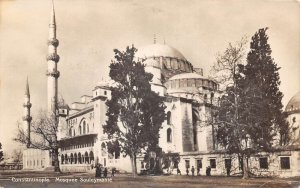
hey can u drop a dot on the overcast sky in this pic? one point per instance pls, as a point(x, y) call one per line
point(88, 32)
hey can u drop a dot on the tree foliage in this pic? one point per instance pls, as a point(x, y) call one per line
point(135, 113)
point(17, 155)
point(262, 95)
point(250, 113)
point(44, 131)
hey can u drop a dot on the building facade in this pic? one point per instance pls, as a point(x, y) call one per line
point(190, 100)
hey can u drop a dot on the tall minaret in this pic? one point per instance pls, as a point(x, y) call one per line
point(27, 118)
point(52, 59)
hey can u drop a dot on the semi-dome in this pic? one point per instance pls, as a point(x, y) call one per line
point(189, 81)
point(159, 50)
point(294, 103)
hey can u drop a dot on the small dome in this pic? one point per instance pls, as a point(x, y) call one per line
point(159, 50)
point(294, 103)
point(187, 76)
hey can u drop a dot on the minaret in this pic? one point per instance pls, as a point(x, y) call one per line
point(27, 118)
point(52, 59)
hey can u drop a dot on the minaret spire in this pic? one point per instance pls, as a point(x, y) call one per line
point(27, 92)
point(27, 118)
point(52, 60)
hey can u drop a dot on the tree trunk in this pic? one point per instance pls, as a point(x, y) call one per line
point(133, 165)
point(56, 161)
point(245, 168)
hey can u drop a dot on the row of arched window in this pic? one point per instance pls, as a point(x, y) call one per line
point(83, 128)
point(78, 158)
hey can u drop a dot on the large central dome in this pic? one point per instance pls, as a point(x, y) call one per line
point(169, 60)
point(159, 50)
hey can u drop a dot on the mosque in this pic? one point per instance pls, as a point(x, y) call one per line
point(190, 98)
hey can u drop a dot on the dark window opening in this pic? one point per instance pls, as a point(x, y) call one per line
point(263, 163)
point(285, 163)
point(199, 164)
point(169, 118)
point(187, 163)
point(212, 163)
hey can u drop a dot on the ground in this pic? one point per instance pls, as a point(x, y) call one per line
point(126, 180)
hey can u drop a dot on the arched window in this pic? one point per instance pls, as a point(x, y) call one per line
point(169, 135)
point(86, 158)
point(73, 132)
point(70, 132)
point(75, 158)
point(66, 159)
point(91, 156)
point(71, 157)
point(205, 98)
point(103, 149)
point(79, 129)
point(62, 159)
point(87, 128)
point(84, 127)
point(169, 118)
point(79, 158)
point(211, 98)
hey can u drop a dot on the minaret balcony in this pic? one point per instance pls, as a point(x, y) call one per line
point(53, 42)
point(54, 73)
point(27, 105)
point(27, 118)
point(53, 57)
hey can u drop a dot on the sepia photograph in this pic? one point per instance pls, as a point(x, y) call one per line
point(150, 93)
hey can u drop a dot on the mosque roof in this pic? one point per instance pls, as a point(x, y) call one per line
point(294, 103)
point(187, 76)
point(151, 62)
point(159, 50)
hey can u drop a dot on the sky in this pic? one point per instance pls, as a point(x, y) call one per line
point(88, 32)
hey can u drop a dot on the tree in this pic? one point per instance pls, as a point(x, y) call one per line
point(44, 131)
point(17, 155)
point(226, 72)
point(135, 113)
point(170, 161)
point(250, 112)
point(262, 95)
point(1, 153)
point(225, 69)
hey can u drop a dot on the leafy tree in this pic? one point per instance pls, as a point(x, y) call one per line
point(250, 112)
point(17, 155)
point(170, 160)
point(135, 113)
point(1, 153)
point(44, 131)
point(226, 120)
